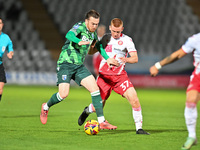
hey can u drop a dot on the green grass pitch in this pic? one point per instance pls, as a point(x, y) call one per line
point(21, 129)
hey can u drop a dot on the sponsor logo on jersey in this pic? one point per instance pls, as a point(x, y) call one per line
point(76, 26)
point(120, 42)
point(109, 48)
point(117, 49)
point(64, 77)
point(3, 49)
point(84, 38)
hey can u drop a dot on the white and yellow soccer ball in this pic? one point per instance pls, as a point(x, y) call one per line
point(91, 127)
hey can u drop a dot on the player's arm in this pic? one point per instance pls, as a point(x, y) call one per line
point(92, 49)
point(132, 59)
point(110, 61)
point(10, 50)
point(72, 37)
point(167, 60)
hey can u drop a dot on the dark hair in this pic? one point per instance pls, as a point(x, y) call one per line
point(92, 13)
point(1, 19)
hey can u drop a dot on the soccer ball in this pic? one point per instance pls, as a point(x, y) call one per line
point(91, 127)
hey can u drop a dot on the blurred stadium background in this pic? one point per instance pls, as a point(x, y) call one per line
point(158, 27)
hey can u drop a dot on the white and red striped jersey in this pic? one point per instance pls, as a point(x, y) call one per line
point(192, 45)
point(116, 48)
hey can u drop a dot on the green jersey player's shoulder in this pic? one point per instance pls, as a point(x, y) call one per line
point(78, 27)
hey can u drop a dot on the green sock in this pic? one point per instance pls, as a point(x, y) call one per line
point(55, 98)
point(97, 103)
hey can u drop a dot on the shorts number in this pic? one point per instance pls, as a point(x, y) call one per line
point(124, 85)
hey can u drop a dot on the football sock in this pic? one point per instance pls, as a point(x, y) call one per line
point(91, 109)
point(0, 97)
point(101, 119)
point(137, 116)
point(54, 99)
point(191, 119)
point(46, 107)
point(97, 103)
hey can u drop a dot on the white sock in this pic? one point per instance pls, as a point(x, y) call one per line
point(101, 119)
point(45, 107)
point(90, 108)
point(137, 116)
point(191, 119)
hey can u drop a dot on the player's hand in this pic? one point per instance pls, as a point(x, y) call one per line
point(112, 62)
point(83, 43)
point(10, 55)
point(153, 71)
point(123, 60)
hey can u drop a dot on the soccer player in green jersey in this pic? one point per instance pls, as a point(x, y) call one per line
point(80, 38)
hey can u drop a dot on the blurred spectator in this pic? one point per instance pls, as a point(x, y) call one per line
point(14, 11)
point(1, 6)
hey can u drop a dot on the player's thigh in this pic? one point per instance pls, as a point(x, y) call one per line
point(122, 84)
point(90, 84)
point(198, 97)
point(81, 75)
point(63, 89)
point(65, 72)
point(131, 95)
point(104, 86)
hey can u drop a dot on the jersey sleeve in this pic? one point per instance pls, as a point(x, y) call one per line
point(73, 32)
point(188, 47)
point(9, 47)
point(130, 45)
point(77, 28)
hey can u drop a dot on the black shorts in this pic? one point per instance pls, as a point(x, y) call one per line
point(2, 74)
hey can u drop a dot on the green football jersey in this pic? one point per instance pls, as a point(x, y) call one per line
point(72, 52)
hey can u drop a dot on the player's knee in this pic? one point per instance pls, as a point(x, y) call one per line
point(63, 95)
point(191, 99)
point(134, 102)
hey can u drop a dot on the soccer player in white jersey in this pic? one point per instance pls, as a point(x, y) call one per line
point(192, 45)
point(117, 45)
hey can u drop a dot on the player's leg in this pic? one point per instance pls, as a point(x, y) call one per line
point(1, 89)
point(190, 112)
point(86, 112)
point(55, 98)
point(105, 90)
point(131, 95)
point(191, 117)
point(2, 79)
point(90, 84)
point(64, 75)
